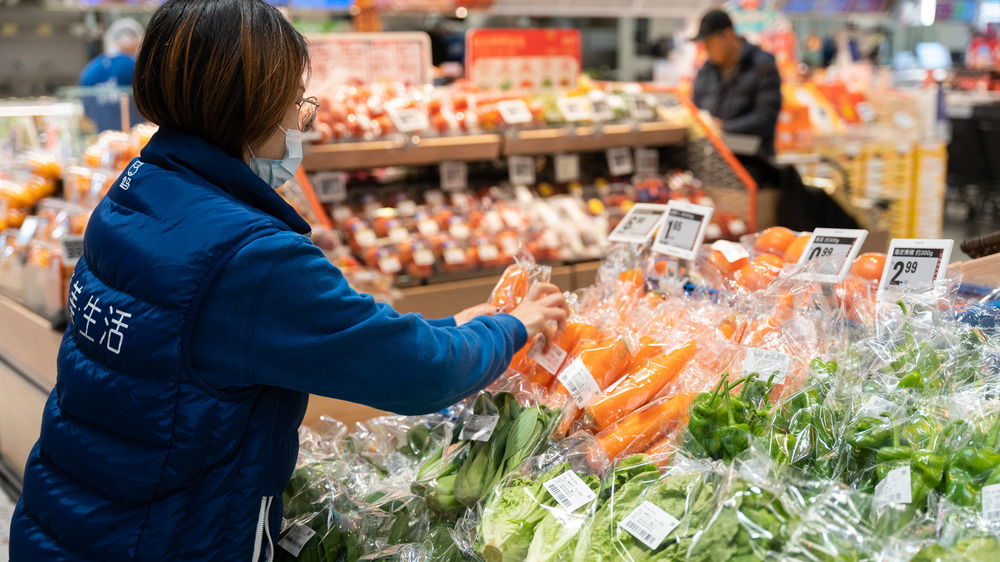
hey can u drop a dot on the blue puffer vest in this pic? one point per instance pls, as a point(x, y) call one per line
point(138, 459)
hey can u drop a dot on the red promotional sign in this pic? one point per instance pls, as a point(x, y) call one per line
point(523, 58)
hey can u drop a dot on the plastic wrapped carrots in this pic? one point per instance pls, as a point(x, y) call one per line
point(637, 431)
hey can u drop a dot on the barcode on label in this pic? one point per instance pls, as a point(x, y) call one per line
point(550, 361)
point(570, 491)
point(331, 187)
point(478, 428)
point(649, 524)
point(620, 161)
point(72, 249)
point(296, 538)
point(579, 382)
point(766, 363)
point(991, 502)
point(894, 489)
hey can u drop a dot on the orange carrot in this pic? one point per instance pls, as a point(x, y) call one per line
point(570, 414)
point(511, 289)
point(637, 431)
point(605, 359)
point(640, 386)
point(648, 348)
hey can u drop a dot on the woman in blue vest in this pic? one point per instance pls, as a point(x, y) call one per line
point(201, 316)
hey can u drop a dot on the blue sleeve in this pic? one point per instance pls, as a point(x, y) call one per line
point(279, 313)
point(448, 322)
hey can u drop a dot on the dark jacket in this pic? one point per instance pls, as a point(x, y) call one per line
point(200, 315)
point(748, 102)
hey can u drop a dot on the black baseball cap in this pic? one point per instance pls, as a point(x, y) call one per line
point(713, 22)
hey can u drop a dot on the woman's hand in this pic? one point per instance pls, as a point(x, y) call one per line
point(544, 310)
point(470, 313)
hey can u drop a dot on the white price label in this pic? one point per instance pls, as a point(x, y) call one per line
point(409, 120)
point(579, 382)
point(601, 109)
point(567, 167)
point(423, 257)
point(454, 256)
point(454, 176)
point(647, 161)
point(575, 109)
point(732, 251)
point(296, 538)
point(866, 112)
point(684, 230)
point(27, 232)
point(72, 249)
point(641, 108)
point(478, 428)
point(836, 248)
point(406, 208)
point(521, 170)
point(390, 265)
point(895, 489)
point(460, 230)
point(515, 112)
point(331, 187)
point(915, 262)
point(620, 162)
point(342, 212)
point(512, 218)
point(487, 252)
point(398, 234)
point(991, 502)
point(639, 224)
point(550, 361)
point(649, 524)
point(570, 491)
point(765, 363)
point(365, 237)
point(428, 228)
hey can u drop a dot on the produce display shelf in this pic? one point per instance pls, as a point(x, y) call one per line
point(594, 138)
point(401, 152)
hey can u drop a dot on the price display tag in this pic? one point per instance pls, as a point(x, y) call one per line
point(406, 208)
point(331, 187)
point(579, 382)
point(640, 108)
point(27, 232)
point(72, 249)
point(515, 112)
point(454, 256)
point(342, 212)
point(894, 489)
point(575, 109)
point(837, 248)
point(915, 262)
point(620, 161)
point(684, 230)
point(601, 109)
point(766, 363)
point(991, 502)
point(649, 524)
point(428, 228)
point(647, 161)
point(478, 428)
point(398, 235)
point(460, 230)
point(454, 176)
point(296, 538)
point(423, 257)
point(639, 224)
point(390, 265)
point(550, 361)
point(521, 170)
point(866, 112)
point(567, 167)
point(570, 491)
point(365, 237)
point(487, 252)
point(409, 120)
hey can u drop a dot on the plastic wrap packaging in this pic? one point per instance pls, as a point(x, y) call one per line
point(951, 535)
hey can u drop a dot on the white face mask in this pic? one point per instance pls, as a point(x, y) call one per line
point(277, 172)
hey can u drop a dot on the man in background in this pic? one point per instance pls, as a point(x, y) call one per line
point(739, 85)
point(112, 70)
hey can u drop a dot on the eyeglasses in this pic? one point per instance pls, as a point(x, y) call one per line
point(308, 107)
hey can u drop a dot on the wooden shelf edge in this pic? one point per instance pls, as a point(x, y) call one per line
point(595, 138)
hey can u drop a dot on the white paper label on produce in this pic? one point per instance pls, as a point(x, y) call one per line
point(409, 120)
point(765, 363)
point(398, 234)
point(550, 361)
point(428, 228)
point(639, 224)
point(732, 251)
point(991, 502)
point(641, 109)
point(514, 112)
point(836, 248)
point(649, 524)
point(390, 265)
point(647, 161)
point(488, 252)
point(684, 230)
point(567, 168)
point(406, 208)
point(296, 538)
point(72, 249)
point(601, 109)
point(894, 489)
point(342, 212)
point(915, 263)
point(454, 176)
point(575, 109)
point(570, 491)
point(620, 161)
point(478, 428)
point(460, 230)
point(454, 256)
point(331, 187)
point(366, 237)
point(423, 257)
point(521, 170)
point(579, 382)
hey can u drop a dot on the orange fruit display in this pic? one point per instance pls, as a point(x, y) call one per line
point(794, 251)
point(775, 240)
point(869, 266)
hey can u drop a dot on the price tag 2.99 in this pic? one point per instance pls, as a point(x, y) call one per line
point(837, 248)
point(454, 176)
point(521, 170)
point(620, 161)
point(915, 263)
point(331, 187)
point(684, 230)
point(567, 167)
point(639, 224)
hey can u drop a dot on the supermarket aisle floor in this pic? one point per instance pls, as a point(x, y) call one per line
point(6, 511)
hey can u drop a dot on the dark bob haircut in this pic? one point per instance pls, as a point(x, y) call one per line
point(223, 70)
